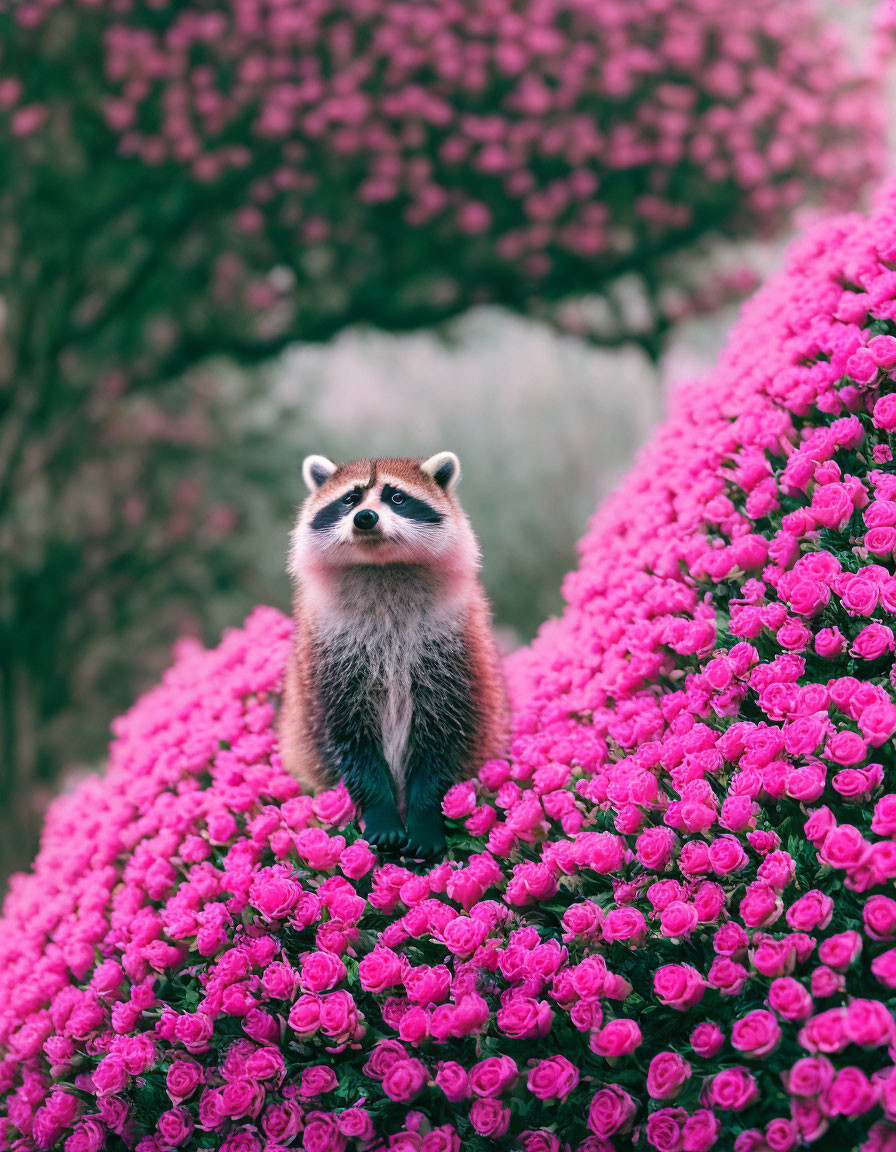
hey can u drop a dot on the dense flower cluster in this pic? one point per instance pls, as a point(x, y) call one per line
point(670, 911)
point(515, 148)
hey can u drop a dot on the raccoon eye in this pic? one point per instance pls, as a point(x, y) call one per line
point(350, 498)
point(398, 497)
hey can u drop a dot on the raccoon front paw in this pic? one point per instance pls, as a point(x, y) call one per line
point(383, 830)
point(425, 839)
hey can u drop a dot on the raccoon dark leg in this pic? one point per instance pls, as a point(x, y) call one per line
point(352, 745)
point(444, 725)
point(366, 775)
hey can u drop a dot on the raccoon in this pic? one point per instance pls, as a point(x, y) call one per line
point(394, 683)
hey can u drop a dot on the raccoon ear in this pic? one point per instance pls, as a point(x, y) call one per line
point(316, 470)
point(444, 468)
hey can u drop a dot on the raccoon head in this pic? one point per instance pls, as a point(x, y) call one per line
point(387, 511)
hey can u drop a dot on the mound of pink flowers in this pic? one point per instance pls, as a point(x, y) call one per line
point(667, 922)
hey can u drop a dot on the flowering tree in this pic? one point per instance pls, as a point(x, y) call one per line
point(670, 910)
point(193, 179)
point(126, 527)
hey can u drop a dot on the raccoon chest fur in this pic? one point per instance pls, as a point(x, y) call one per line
point(378, 647)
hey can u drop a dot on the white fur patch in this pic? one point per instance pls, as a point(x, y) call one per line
point(396, 728)
point(384, 623)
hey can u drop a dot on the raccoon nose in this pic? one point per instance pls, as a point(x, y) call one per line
point(365, 519)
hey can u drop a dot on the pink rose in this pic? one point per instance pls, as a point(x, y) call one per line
point(756, 1034)
point(321, 1133)
point(404, 1079)
point(869, 1023)
point(726, 855)
point(175, 1126)
point(320, 851)
point(760, 905)
point(878, 722)
point(777, 869)
point(851, 1094)
point(321, 971)
point(733, 1089)
point(182, 1079)
point(883, 968)
point(846, 748)
point(793, 635)
point(88, 1136)
point(809, 1119)
point(781, 1135)
point(694, 859)
point(445, 1138)
point(334, 806)
point(617, 1038)
point(611, 1110)
point(879, 915)
point(653, 848)
point(523, 1017)
point(665, 1129)
point(826, 982)
point(727, 976)
point(459, 800)
point(489, 1118)
point(880, 541)
point(338, 1014)
point(812, 910)
point(832, 505)
point(552, 1078)
point(666, 1074)
point(317, 1080)
point(820, 822)
point(453, 1080)
point(839, 951)
point(380, 969)
point(873, 641)
point(194, 1031)
point(490, 1077)
point(678, 919)
point(883, 822)
point(356, 1123)
point(707, 1038)
point(279, 980)
point(275, 892)
point(884, 414)
point(855, 783)
point(775, 957)
point(357, 859)
point(304, 1016)
point(109, 1076)
point(241, 1098)
point(825, 1032)
point(858, 594)
point(829, 643)
point(809, 1076)
point(582, 921)
point(540, 1140)
point(790, 999)
point(844, 847)
point(701, 1131)
point(678, 986)
point(624, 924)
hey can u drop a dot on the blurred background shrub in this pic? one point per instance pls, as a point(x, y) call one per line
point(192, 189)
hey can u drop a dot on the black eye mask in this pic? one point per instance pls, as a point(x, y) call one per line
point(333, 512)
point(411, 508)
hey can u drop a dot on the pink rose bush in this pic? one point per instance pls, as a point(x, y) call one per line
point(667, 921)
